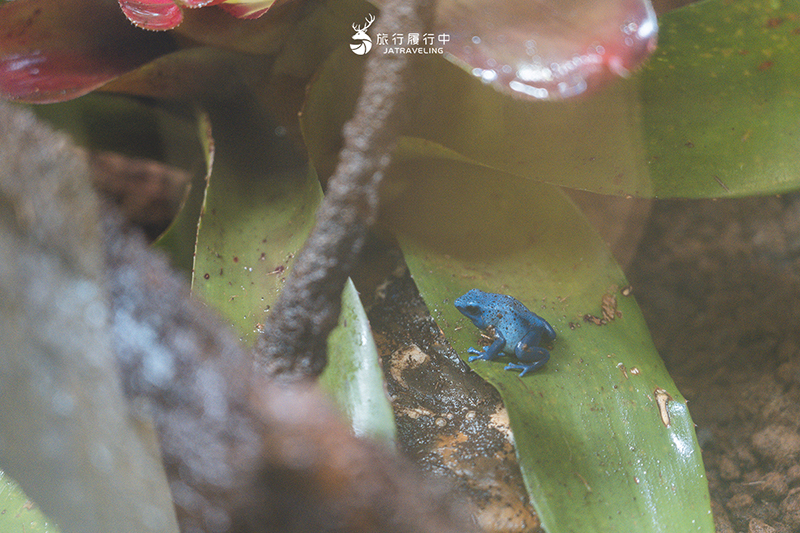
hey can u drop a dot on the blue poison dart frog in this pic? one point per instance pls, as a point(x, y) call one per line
point(517, 330)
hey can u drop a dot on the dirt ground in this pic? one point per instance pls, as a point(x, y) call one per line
point(719, 284)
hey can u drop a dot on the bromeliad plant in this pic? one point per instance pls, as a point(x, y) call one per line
point(473, 193)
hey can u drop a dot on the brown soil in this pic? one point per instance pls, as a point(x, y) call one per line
point(719, 284)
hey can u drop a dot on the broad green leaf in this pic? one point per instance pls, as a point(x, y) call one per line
point(327, 25)
point(192, 74)
point(18, 513)
point(596, 452)
point(713, 113)
point(587, 143)
point(354, 376)
point(721, 101)
point(259, 208)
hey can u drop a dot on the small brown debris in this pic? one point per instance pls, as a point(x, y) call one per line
point(662, 399)
point(757, 526)
point(773, 487)
point(793, 474)
point(790, 507)
point(722, 523)
point(740, 502)
point(609, 306)
point(594, 320)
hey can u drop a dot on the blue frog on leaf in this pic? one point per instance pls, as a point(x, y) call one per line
point(517, 330)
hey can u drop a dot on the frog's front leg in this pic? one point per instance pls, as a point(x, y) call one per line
point(490, 352)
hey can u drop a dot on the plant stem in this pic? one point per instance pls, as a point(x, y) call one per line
point(294, 341)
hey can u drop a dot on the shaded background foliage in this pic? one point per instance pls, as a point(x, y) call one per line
point(627, 140)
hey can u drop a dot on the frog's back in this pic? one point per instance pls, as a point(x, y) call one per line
point(525, 320)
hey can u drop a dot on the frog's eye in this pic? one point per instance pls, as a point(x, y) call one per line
point(473, 309)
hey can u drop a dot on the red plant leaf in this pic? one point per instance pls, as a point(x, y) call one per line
point(547, 49)
point(152, 14)
point(198, 3)
point(52, 51)
point(248, 9)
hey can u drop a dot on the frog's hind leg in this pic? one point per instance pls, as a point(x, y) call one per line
point(528, 367)
point(531, 357)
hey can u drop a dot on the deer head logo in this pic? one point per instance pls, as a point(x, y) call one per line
point(363, 42)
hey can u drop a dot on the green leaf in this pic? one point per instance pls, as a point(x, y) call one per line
point(721, 101)
point(594, 451)
point(589, 143)
point(354, 376)
point(713, 113)
point(18, 513)
point(259, 208)
point(128, 126)
point(326, 26)
point(179, 238)
point(204, 74)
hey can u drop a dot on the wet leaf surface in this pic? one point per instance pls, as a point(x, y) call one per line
point(592, 142)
